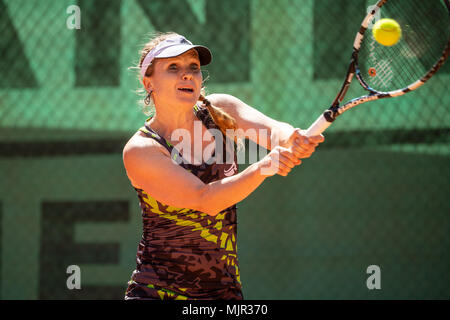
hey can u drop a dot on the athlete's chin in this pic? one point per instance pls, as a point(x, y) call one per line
point(188, 100)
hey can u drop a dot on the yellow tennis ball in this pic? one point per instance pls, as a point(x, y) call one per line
point(387, 32)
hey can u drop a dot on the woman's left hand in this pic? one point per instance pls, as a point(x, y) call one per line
point(302, 146)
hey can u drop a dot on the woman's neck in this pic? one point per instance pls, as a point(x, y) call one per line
point(166, 122)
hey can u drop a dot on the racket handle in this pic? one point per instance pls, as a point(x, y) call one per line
point(319, 126)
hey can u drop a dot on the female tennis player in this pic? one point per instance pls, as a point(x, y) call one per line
point(187, 186)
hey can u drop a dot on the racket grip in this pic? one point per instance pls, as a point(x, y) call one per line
point(319, 126)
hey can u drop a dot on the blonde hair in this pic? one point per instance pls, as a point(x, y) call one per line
point(222, 119)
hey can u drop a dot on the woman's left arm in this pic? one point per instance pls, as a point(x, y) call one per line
point(269, 132)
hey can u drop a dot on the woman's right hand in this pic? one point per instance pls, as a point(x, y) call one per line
point(280, 161)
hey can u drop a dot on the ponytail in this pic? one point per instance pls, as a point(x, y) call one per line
point(223, 120)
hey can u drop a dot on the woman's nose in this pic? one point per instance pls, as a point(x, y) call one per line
point(187, 75)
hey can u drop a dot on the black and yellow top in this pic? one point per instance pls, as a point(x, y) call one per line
point(184, 253)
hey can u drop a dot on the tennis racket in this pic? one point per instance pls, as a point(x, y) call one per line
point(392, 71)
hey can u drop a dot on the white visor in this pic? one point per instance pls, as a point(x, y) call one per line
point(173, 47)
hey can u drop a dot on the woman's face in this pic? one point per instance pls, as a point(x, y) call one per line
point(177, 80)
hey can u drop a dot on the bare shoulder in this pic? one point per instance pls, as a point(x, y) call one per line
point(245, 115)
point(149, 167)
point(139, 141)
point(140, 146)
point(223, 100)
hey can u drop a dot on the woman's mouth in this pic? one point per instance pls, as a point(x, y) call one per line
point(186, 89)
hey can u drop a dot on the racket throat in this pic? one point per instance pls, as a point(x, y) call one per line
point(350, 73)
point(331, 113)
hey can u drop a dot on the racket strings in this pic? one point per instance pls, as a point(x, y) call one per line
point(420, 36)
point(425, 33)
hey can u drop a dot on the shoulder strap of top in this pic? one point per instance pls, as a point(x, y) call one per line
point(149, 132)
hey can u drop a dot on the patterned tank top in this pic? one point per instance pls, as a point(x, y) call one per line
point(184, 253)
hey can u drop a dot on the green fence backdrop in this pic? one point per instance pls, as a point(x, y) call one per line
point(68, 106)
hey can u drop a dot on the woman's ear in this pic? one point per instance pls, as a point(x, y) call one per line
point(147, 84)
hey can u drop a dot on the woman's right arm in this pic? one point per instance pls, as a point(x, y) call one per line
point(153, 171)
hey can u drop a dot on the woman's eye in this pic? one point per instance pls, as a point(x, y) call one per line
point(192, 67)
